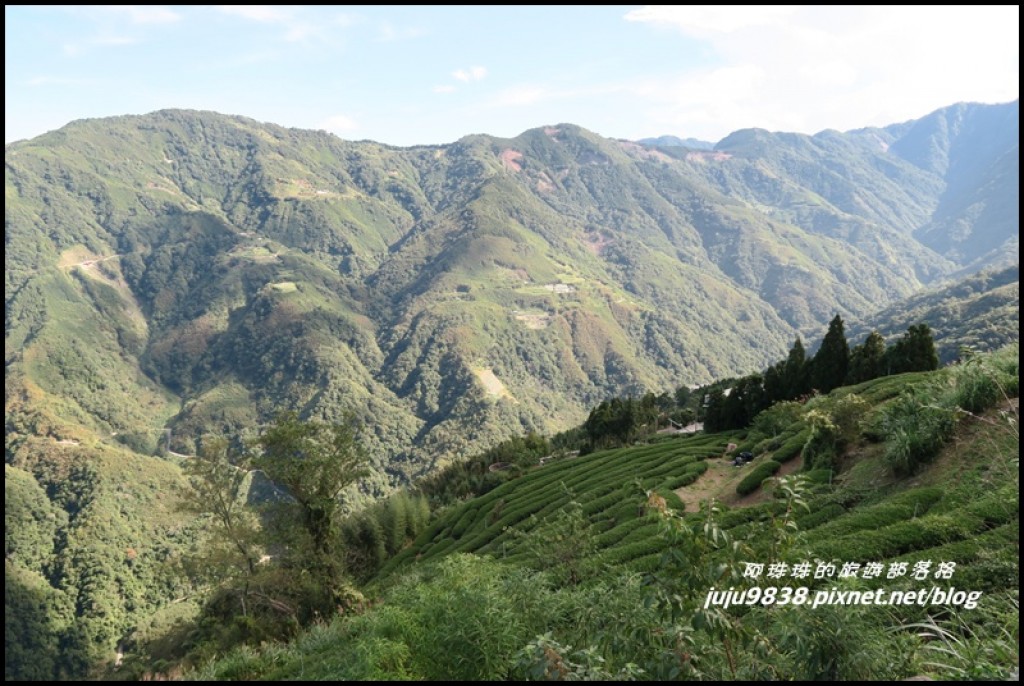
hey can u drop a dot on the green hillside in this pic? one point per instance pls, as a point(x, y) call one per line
point(194, 272)
point(600, 566)
point(981, 311)
point(183, 274)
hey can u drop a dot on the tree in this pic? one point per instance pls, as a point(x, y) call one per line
point(867, 361)
point(218, 478)
point(914, 351)
point(795, 379)
point(775, 383)
point(714, 411)
point(314, 463)
point(829, 367)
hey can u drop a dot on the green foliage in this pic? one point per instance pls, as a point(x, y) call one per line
point(314, 463)
point(545, 659)
point(795, 378)
point(914, 351)
point(918, 423)
point(916, 427)
point(777, 418)
point(382, 530)
point(219, 482)
point(907, 505)
point(831, 363)
point(981, 311)
point(761, 471)
point(867, 361)
point(234, 269)
point(792, 447)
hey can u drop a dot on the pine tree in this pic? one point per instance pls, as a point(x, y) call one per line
point(914, 351)
point(795, 378)
point(714, 412)
point(867, 361)
point(829, 367)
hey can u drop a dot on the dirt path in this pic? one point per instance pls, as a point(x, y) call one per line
point(710, 484)
point(719, 482)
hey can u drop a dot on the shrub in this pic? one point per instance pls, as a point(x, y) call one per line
point(792, 447)
point(901, 507)
point(753, 480)
point(820, 476)
point(916, 427)
point(819, 516)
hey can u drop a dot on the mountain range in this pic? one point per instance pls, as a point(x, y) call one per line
point(183, 273)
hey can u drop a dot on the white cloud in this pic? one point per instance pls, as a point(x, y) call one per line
point(339, 124)
point(699, 19)
point(266, 14)
point(809, 68)
point(296, 28)
point(445, 89)
point(388, 32)
point(476, 73)
point(144, 14)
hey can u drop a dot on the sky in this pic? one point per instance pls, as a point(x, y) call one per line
point(425, 75)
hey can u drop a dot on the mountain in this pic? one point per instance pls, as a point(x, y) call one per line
point(183, 272)
point(976, 150)
point(981, 311)
point(676, 141)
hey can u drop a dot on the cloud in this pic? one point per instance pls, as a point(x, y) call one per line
point(339, 124)
point(808, 68)
point(448, 88)
point(265, 14)
point(296, 29)
point(471, 74)
point(701, 19)
point(388, 32)
point(143, 14)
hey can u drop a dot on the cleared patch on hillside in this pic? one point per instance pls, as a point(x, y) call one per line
point(492, 384)
point(510, 159)
point(533, 320)
point(596, 242)
point(560, 288)
point(75, 255)
point(707, 156)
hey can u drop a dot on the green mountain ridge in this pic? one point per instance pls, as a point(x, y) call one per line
point(454, 294)
point(981, 311)
point(181, 274)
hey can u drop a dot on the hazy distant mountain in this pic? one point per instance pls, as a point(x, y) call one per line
point(676, 142)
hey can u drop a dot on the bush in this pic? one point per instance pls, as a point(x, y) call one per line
point(901, 507)
point(915, 426)
point(820, 516)
point(753, 480)
point(792, 447)
point(820, 476)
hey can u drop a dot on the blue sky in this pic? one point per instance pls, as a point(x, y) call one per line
point(408, 75)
